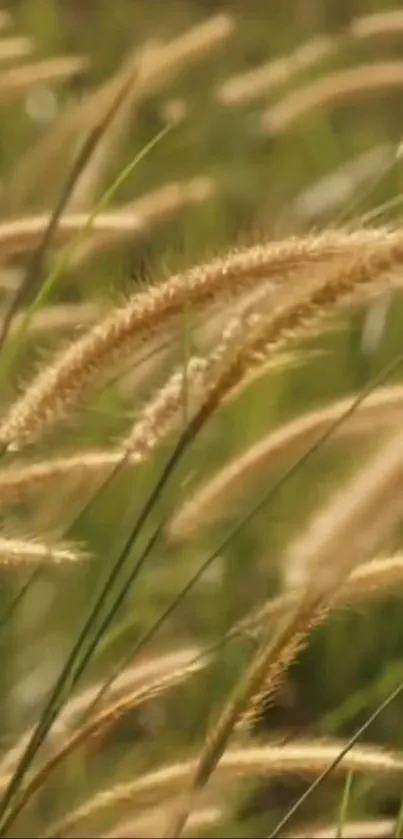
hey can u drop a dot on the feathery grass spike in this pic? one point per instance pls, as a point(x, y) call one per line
point(60, 386)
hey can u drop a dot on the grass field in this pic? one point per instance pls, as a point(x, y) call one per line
point(201, 449)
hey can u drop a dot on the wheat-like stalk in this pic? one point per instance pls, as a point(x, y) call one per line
point(68, 378)
point(61, 317)
point(24, 234)
point(304, 758)
point(150, 68)
point(334, 190)
point(101, 724)
point(264, 334)
point(16, 552)
point(334, 88)
point(378, 24)
point(139, 676)
point(149, 209)
point(10, 278)
point(350, 527)
point(151, 823)
point(18, 481)
point(18, 80)
point(156, 64)
point(263, 79)
point(247, 309)
point(353, 523)
point(5, 19)
point(376, 578)
point(245, 87)
point(383, 408)
point(370, 828)
point(162, 415)
point(14, 47)
point(137, 680)
point(120, 93)
point(76, 118)
point(266, 668)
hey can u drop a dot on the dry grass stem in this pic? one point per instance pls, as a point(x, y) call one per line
point(263, 334)
point(151, 823)
point(119, 94)
point(376, 578)
point(18, 80)
point(59, 141)
point(263, 79)
point(161, 415)
point(352, 525)
point(306, 758)
point(10, 278)
point(176, 54)
point(139, 676)
point(15, 552)
point(151, 68)
point(14, 47)
point(149, 209)
point(18, 481)
point(24, 234)
point(139, 680)
point(61, 317)
point(369, 828)
point(5, 19)
point(383, 408)
point(378, 24)
point(323, 197)
point(103, 721)
point(169, 354)
point(266, 668)
point(183, 393)
point(61, 385)
point(335, 88)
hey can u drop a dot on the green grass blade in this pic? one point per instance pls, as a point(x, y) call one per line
point(345, 800)
point(399, 822)
point(63, 260)
point(333, 765)
point(32, 277)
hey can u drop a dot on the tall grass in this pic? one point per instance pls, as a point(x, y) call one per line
point(201, 444)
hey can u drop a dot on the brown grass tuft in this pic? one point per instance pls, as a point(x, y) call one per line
point(151, 823)
point(352, 525)
point(151, 208)
point(151, 68)
point(104, 720)
point(383, 408)
point(60, 386)
point(305, 758)
point(369, 828)
point(376, 578)
point(335, 88)
point(15, 552)
point(14, 47)
point(138, 681)
point(24, 234)
point(377, 25)
point(263, 79)
point(18, 80)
